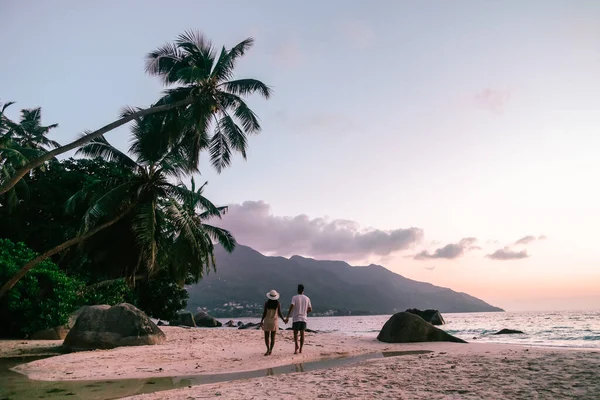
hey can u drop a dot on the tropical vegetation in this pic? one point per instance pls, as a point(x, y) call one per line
point(113, 225)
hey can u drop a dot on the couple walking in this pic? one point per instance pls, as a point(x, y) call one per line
point(299, 309)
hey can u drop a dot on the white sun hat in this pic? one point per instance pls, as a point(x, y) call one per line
point(273, 295)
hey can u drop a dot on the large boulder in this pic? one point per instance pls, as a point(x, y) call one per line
point(508, 332)
point(206, 321)
point(404, 327)
point(106, 327)
point(184, 318)
point(434, 317)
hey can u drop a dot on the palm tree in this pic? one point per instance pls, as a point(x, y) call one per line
point(182, 260)
point(19, 142)
point(31, 134)
point(201, 96)
point(159, 211)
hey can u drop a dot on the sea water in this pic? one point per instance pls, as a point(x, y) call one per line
point(561, 329)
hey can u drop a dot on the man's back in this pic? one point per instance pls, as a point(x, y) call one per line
point(301, 305)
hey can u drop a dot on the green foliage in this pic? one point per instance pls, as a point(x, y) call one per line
point(161, 297)
point(43, 299)
point(114, 293)
point(41, 220)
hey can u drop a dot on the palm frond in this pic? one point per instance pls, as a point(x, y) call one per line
point(244, 87)
point(227, 60)
point(220, 151)
point(100, 147)
point(236, 137)
point(108, 203)
point(222, 236)
point(164, 61)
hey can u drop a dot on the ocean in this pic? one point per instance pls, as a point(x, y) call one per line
point(558, 329)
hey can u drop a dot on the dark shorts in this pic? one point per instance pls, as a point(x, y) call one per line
point(299, 326)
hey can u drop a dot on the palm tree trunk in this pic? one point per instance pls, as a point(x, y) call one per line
point(36, 162)
point(63, 246)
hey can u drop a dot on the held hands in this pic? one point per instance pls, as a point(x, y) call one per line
point(285, 320)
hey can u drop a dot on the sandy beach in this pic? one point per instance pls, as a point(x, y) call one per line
point(453, 371)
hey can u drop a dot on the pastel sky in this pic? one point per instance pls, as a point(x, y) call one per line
point(453, 142)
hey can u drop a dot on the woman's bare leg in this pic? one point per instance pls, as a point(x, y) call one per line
point(267, 342)
point(272, 342)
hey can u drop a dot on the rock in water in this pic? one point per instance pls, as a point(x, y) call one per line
point(106, 327)
point(206, 321)
point(184, 318)
point(434, 317)
point(405, 327)
point(507, 332)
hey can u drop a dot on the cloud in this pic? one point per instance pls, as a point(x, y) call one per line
point(430, 268)
point(507, 254)
point(530, 238)
point(253, 224)
point(492, 100)
point(359, 33)
point(525, 240)
point(449, 251)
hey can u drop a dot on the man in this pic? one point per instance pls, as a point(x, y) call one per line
point(301, 307)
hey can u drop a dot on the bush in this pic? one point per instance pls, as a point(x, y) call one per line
point(160, 297)
point(114, 293)
point(44, 298)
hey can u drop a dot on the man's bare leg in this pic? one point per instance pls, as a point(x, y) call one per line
point(301, 340)
point(295, 342)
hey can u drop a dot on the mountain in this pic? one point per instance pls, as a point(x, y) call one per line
point(243, 277)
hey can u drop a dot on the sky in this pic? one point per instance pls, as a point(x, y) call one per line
point(452, 142)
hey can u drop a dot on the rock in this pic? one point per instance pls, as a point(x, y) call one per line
point(160, 323)
point(206, 321)
point(231, 324)
point(57, 333)
point(250, 325)
point(106, 327)
point(184, 318)
point(240, 323)
point(507, 332)
point(432, 316)
point(404, 327)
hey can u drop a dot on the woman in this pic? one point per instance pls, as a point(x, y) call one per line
point(269, 319)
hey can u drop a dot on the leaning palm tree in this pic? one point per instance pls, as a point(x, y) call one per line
point(148, 199)
point(200, 93)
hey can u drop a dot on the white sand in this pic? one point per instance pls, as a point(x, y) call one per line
point(453, 371)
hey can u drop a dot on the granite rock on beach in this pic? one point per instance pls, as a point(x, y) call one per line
point(105, 327)
point(405, 327)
